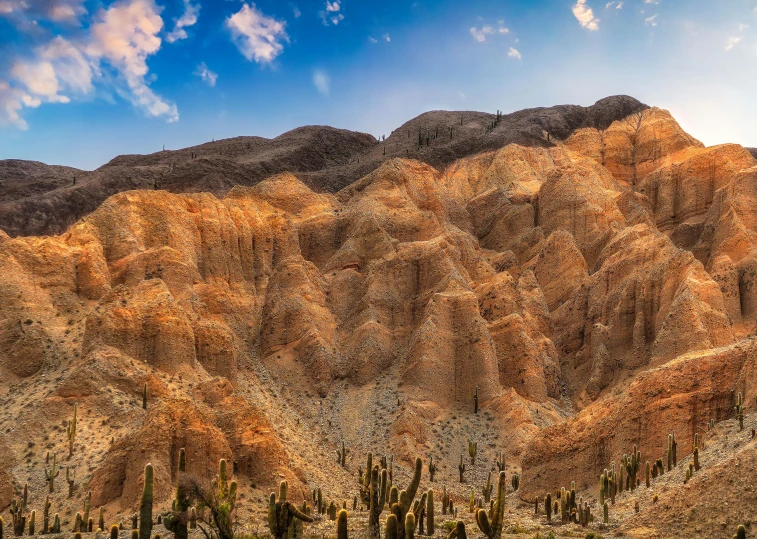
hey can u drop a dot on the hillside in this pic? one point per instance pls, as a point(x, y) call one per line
point(591, 290)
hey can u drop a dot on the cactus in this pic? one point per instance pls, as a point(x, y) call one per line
point(77, 535)
point(406, 497)
point(114, 531)
point(341, 525)
point(32, 521)
point(51, 473)
point(332, 511)
point(696, 459)
point(516, 482)
point(740, 410)
point(475, 403)
point(430, 512)
point(548, 507)
point(71, 431)
point(472, 502)
point(431, 469)
point(391, 527)
point(177, 521)
point(500, 462)
point(461, 469)
point(85, 511)
point(445, 501)
point(134, 535)
point(472, 451)
point(282, 513)
point(377, 497)
point(487, 490)
point(145, 508)
point(492, 528)
point(134, 521)
point(18, 510)
point(144, 397)
point(77, 523)
point(740, 532)
point(56, 524)
point(70, 478)
point(341, 455)
point(410, 526)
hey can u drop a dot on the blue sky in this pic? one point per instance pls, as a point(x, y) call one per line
point(82, 81)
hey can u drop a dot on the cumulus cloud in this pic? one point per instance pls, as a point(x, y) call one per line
point(208, 76)
point(322, 82)
point(651, 21)
point(187, 19)
point(585, 16)
point(257, 36)
point(332, 14)
point(514, 53)
point(124, 35)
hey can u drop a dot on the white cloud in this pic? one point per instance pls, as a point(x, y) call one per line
point(332, 14)
point(322, 82)
point(297, 12)
point(67, 11)
point(187, 19)
point(257, 36)
point(651, 21)
point(585, 16)
point(743, 27)
point(514, 53)
point(616, 5)
point(503, 30)
point(12, 101)
point(208, 76)
point(651, 1)
point(732, 42)
point(372, 39)
point(125, 34)
point(387, 38)
point(480, 35)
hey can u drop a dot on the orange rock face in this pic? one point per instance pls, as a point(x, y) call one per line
point(594, 292)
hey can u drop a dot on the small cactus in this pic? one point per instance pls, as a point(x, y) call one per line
point(475, 403)
point(431, 469)
point(461, 469)
point(472, 451)
point(516, 482)
point(51, 473)
point(341, 525)
point(114, 531)
point(501, 462)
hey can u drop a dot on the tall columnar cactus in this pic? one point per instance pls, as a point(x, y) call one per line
point(445, 501)
point(516, 482)
point(670, 452)
point(341, 455)
point(176, 522)
point(32, 522)
point(56, 524)
point(500, 462)
point(472, 502)
point(341, 525)
point(51, 473)
point(487, 490)
point(696, 459)
point(461, 469)
point(377, 497)
point(145, 508)
point(548, 507)
point(602, 481)
point(740, 533)
point(114, 531)
point(18, 512)
point(46, 515)
point(281, 514)
point(144, 397)
point(431, 469)
point(606, 511)
point(71, 431)
point(85, 512)
point(475, 401)
point(472, 451)
point(101, 519)
point(70, 479)
point(646, 473)
point(332, 511)
point(493, 528)
point(430, 527)
point(406, 497)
